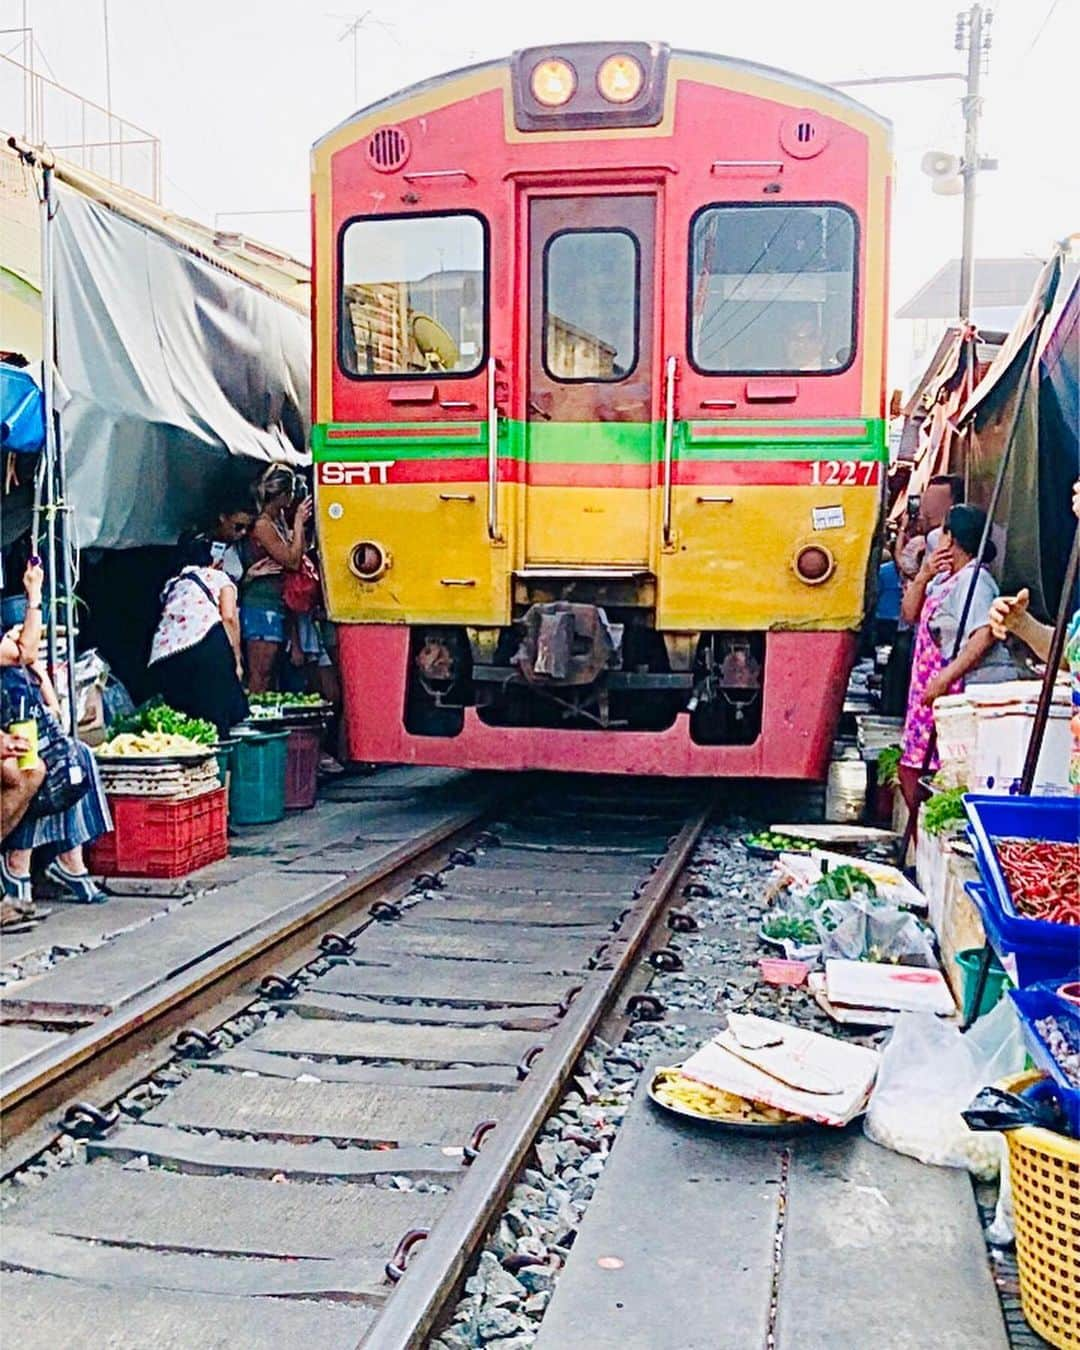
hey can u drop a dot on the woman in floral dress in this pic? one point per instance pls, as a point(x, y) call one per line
point(935, 600)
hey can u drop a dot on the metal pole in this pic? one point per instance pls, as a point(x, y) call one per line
point(48, 347)
point(970, 166)
point(1053, 664)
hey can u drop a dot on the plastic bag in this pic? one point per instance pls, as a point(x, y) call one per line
point(929, 1073)
point(862, 930)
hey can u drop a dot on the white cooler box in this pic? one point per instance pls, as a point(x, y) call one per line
point(1004, 717)
point(955, 724)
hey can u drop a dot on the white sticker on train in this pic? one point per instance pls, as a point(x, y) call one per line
point(828, 517)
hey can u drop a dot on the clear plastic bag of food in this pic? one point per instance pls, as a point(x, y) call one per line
point(930, 1072)
point(862, 930)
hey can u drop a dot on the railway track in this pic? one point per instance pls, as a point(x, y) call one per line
point(325, 1163)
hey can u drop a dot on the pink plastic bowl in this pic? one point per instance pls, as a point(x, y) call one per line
point(777, 971)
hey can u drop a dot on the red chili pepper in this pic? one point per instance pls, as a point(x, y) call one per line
point(1043, 878)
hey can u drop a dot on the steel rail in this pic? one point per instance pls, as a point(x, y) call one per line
point(61, 1071)
point(432, 1276)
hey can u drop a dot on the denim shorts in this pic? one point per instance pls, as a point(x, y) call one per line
point(262, 625)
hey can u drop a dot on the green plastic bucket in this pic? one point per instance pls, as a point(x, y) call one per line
point(224, 752)
point(257, 782)
point(996, 980)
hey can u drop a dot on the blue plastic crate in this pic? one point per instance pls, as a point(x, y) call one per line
point(1053, 819)
point(1033, 1005)
point(1027, 962)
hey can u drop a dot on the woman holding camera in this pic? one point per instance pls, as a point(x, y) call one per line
point(274, 549)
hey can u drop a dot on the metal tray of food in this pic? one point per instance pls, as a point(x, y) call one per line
point(742, 1123)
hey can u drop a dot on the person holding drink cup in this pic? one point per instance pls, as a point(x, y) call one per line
point(21, 769)
point(59, 830)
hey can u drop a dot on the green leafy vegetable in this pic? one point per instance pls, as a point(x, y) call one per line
point(944, 810)
point(275, 698)
point(888, 766)
point(840, 883)
point(156, 715)
point(783, 926)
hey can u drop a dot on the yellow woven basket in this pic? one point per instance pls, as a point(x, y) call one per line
point(1045, 1171)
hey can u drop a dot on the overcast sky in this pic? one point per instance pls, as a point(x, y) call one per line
point(238, 89)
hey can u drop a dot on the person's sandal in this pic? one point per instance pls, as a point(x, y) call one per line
point(80, 886)
point(15, 920)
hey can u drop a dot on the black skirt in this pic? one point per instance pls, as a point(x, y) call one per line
point(201, 681)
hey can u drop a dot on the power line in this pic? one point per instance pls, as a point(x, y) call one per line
point(1038, 34)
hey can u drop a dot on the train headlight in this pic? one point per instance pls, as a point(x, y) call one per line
point(814, 564)
point(620, 79)
point(553, 82)
point(368, 560)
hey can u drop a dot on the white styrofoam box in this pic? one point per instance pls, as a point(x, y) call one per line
point(954, 720)
point(1002, 736)
point(931, 864)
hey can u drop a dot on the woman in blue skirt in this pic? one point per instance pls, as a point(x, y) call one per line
point(60, 836)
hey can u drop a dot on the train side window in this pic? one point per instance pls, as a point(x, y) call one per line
point(413, 295)
point(772, 289)
point(591, 300)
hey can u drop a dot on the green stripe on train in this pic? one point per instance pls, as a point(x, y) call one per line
point(602, 442)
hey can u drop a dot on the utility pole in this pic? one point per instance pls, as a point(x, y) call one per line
point(972, 35)
point(108, 88)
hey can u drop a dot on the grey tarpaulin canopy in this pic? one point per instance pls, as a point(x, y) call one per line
point(168, 365)
point(1033, 513)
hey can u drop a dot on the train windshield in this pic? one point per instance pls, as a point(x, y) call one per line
point(591, 283)
point(772, 289)
point(413, 295)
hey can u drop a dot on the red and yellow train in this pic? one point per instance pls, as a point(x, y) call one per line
point(599, 421)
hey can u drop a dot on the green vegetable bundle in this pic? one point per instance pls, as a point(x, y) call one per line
point(888, 766)
point(787, 926)
point(156, 715)
point(275, 698)
point(841, 883)
point(944, 810)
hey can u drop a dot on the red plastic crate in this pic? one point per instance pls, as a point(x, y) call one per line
point(162, 837)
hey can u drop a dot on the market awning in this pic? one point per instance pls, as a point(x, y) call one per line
point(22, 420)
point(169, 365)
point(1008, 416)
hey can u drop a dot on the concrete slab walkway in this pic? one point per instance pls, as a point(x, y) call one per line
point(701, 1240)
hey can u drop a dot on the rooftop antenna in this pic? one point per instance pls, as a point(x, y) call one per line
point(352, 29)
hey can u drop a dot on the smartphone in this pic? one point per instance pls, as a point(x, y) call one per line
point(914, 505)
